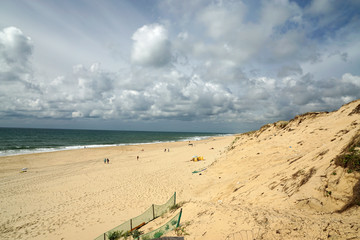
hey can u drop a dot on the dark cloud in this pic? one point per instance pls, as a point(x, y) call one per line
point(289, 70)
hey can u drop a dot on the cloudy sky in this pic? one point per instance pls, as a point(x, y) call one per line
point(196, 65)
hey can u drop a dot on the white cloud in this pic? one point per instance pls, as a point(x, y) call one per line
point(289, 45)
point(151, 46)
point(15, 49)
point(221, 21)
point(183, 35)
point(349, 78)
point(19, 92)
point(275, 13)
point(231, 32)
point(76, 114)
point(321, 7)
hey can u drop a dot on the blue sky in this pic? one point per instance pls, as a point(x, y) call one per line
point(217, 66)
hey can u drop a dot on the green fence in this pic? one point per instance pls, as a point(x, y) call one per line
point(169, 226)
point(150, 214)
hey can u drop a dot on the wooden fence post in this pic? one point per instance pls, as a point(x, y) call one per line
point(153, 211)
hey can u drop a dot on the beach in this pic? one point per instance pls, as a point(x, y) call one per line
point(279, 182)
point(74, 195)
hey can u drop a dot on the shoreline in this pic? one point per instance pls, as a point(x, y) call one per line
point(13, 152)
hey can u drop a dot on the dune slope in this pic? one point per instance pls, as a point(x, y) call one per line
point(281, 182)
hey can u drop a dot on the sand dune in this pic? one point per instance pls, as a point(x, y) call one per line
point(279, 182)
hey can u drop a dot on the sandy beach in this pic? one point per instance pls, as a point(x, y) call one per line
point(74, 195)
point(279, 182)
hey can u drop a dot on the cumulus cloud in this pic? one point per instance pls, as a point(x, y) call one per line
point(19, 92)
point(15, 49)
point(247, 38)
point(349, 78)
point(15, 58)
point(151, 46)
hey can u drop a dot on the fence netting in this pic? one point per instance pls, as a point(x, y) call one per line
point(146, 217)
point(150, 214)
point(167, 227)
point(161, 209)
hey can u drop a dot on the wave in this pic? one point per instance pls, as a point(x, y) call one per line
point(22, 151)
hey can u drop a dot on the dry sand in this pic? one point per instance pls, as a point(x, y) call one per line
point(74, 195)
point(270, 184)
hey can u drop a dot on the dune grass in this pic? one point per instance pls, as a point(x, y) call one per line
point(350, 159)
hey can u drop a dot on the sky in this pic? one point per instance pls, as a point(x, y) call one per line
point(168, 65)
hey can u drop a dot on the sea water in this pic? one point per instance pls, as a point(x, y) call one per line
point(14, 141)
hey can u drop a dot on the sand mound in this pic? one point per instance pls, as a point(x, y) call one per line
point(282, 182)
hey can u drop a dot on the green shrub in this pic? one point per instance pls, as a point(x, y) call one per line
point(136, 233)
point(350, 157)
point(231, 146)
point(174, 207)
point(158, 234)
point(126, 235)
point(181, 231)
point(115, 235)
point(281, 124)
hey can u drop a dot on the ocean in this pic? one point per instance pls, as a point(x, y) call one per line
point(14, 141)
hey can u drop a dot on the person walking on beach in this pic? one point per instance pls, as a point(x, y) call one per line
point(107, 161)
point(104, 160)
point(137, 158)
